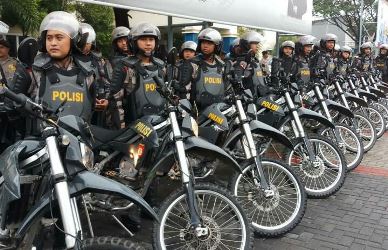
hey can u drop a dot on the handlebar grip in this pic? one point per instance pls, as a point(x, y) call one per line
point(20, 99)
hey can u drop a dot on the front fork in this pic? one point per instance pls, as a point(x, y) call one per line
point(326, 111)
point(187, 182)
point(298, 127)
point(250, 151)
point(67, 206)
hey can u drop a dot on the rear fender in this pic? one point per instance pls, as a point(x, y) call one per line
point(85, 182)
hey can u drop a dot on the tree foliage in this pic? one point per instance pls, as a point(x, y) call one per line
point(28, 14)
point(25, 13)
point(103, 25)
point(346, 14)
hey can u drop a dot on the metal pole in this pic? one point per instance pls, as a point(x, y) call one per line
point(170, 34)
point(361, 20)
point(277, 45)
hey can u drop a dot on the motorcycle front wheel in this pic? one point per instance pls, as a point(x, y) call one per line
point(324, 176)
point(276, 214)
point(226, 225)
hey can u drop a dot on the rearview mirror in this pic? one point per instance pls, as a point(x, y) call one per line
point(27, 51)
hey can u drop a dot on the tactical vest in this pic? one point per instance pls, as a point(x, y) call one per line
point(366, 63)
point(209, 87)
point(330, 65)
point(58, 86)
point(259, 86)
point(342, 67)
point(145, 99)
point(381, 63)
point(303, 70)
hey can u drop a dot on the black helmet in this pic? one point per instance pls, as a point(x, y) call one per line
point(64, 22)
point(212, 35)
point(190, 45)
point(144, 29)
point(249, 37)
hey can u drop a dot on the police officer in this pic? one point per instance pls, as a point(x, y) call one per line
point(233, 49)
point(266, 61)
point(250, 41)
point(59, 77)
point(120, 44)
point(184, 68)
point(132, 78)
point(303, 48)
point(324, 61)
point(344, 61)
point(7, 70)
point(363, 62)
point(207, 84)
point(188, 50)
point(381, 62)
point(284, 65)
point(102, 84)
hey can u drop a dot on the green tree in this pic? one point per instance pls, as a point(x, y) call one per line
point(25, 13)
point(345, 14)
point(102, 19)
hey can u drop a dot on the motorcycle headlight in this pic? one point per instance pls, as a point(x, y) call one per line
point(194, 126)
point(87, 156)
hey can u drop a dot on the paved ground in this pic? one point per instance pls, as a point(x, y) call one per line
point(355, 218)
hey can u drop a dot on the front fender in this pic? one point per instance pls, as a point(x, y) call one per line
point(357, 100)
point(382, 87)
point(309, 114)
point(340, 108)
point(85, 182)
point(192, 143)
point(260, 128)
point(368, 95)
point(377, 92)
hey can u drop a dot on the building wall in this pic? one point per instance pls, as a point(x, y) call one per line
point(319, 28)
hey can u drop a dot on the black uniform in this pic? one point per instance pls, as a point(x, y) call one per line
point(322, 65)
point(209, 86)
point(54, 85)
point(140, 94)
point(381, 64)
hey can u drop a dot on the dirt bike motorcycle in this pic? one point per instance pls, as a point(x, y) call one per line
point(192, 214)
point(318, 162)
point(44, 181)
point(273, 207)
point(346, 137)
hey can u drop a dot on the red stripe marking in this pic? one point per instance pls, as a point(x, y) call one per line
point(379, 171)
